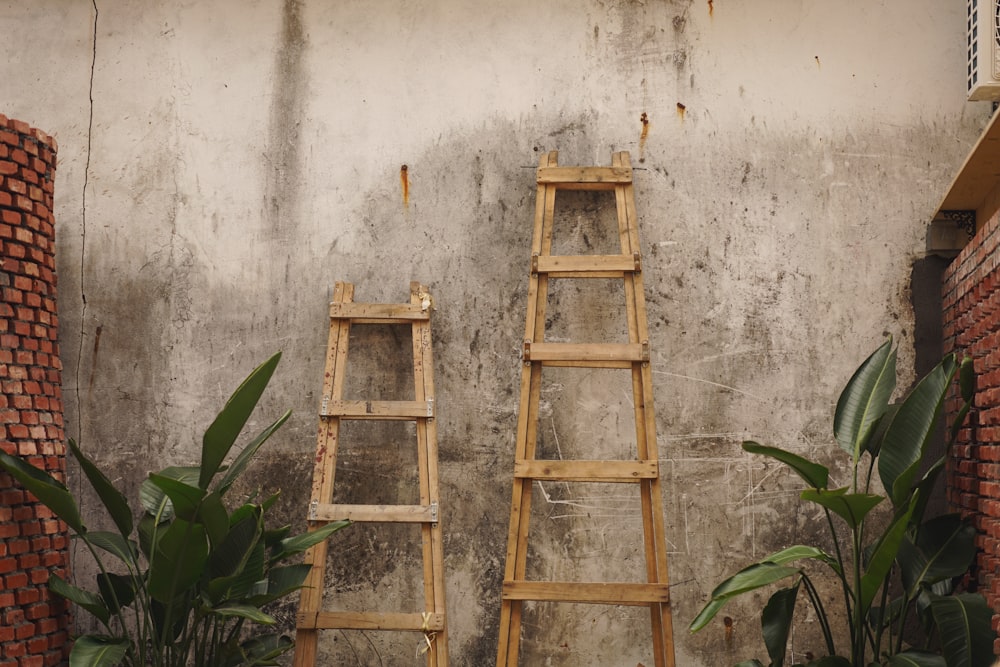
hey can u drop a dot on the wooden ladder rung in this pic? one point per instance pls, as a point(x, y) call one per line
point(376, 513)
point(584, 178)
point(588, 593)
point(587, 471)
point(586, 353)
point(370, 620)
point(388, 410)
point(378, 313)
point(585, 266)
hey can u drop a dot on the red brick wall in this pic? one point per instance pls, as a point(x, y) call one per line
point(33, 624)
point(971, 302)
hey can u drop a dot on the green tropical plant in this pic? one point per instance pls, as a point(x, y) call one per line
point(187, 583)
point(892, 570)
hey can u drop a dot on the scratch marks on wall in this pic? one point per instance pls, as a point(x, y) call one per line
point(283, 158)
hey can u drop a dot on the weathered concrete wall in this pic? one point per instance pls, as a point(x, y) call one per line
point(224, 163)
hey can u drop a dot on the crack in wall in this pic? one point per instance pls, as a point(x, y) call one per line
point(83, 227)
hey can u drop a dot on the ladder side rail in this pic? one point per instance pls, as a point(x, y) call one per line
point(311, 598)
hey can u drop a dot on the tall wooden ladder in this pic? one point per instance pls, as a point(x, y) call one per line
point(634, 355)
point(430, 621)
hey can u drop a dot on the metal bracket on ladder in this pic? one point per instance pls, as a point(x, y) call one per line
point(634, 355)
point(312, 617)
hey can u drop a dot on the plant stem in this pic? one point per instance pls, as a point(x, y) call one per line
point(824, 622)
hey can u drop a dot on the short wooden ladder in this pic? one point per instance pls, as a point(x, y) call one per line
point(430, 621)
point(634, 355)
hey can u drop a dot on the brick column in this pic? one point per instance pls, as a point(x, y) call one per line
point(971, 302)
point(33, 624)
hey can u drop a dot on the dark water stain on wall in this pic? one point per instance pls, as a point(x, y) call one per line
point(283, 158)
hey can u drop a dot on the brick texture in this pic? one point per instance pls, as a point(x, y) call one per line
point(34, 625)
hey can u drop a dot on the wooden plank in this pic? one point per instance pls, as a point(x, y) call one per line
point(378, 409)
point(381, 312)
point(578, 266)
point(376, 513)
point(587, 593)
point(587, 471)
point(566, 177)
point(371, 620)
point(584, 352)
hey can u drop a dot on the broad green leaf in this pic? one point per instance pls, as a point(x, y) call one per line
point(776, 622)
point(814, 474)
point(851, 507)
point(98, 651)
point(186, 499)
point(49, 491)
point(965, 625)
point(263, 649)
point(113, 543)
point(113, 499)
point(155, 501)
point(248, 580)
point(79, 597)
point(882, 557)
point(945, 548)
point(232, 554)
point(915, 658)
point(241, 461)
point(748, 579)
point(912, 428)
point(178, 561)
point(283, 580)
point(214, 516)
point(299, 543)
point(864, 400)
point(243, 611)
point(220, 436)
point(833, 661)
point(118, 591)
point(800, 551)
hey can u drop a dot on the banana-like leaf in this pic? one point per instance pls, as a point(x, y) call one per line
point(748, 579)
point(299, 543)
point(907, 437)
point(799, 551)
point(186, 499)
point(864, 400)
point(117, 590)
point(247, 581)
point(113, 499)
point(776, 622)
point(215, 518)
point(915, 658)
point(155, 501)
point(944, 549)
point(814, 474)
point(249, 612)
point(49, 491)
point(241, 461)
point(262, 650)
point(231, 555)
point(79, 597)
point(178, 560)
point(113, 543)
point(220, 436)
point(883, 556)
point(98, 651)
point(965, 625)
point(851, 507)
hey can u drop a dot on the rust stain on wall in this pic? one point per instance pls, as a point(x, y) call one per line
point(404, 182)
point(644, 119)
point(681, 110)
point(711, 8)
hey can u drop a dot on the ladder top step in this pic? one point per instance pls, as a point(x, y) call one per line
point(593, 593)
point(370, 620)
point(378, 409)
point(378, 312)
point(375, 513)
point(595, 177)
